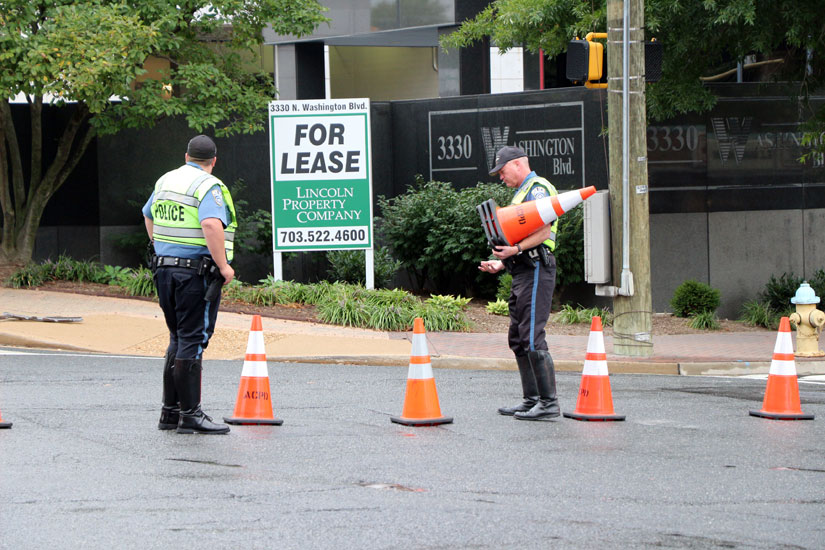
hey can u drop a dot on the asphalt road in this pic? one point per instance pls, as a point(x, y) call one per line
point(85, 467)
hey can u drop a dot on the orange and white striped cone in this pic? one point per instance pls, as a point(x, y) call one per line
point(421, 400)
point(510, 224)
point(4, 425)
point(595, 400)
point(253, 405)
point(782, 392)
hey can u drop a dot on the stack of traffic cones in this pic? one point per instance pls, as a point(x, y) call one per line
point(782, 392)
point(253, 405)
point(421, 400)
point(595, 400)
point(510, 224)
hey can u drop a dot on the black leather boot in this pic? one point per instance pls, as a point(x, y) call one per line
point(528, 386)
point(547, 407)
point(170, 411)
point(188, 383)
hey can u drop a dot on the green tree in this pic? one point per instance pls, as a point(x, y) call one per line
point(702, 39)
point(79, 54)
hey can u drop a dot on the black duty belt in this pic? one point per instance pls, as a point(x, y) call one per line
point(171, 261)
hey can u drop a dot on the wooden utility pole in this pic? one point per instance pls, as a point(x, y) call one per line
point(632, 322)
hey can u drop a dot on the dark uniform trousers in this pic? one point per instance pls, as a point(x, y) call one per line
point(190, 319)
point(531, 296)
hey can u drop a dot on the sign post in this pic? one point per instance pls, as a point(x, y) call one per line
point(321, 177)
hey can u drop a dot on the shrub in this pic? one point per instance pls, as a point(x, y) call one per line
point(693, 297)
point(352, 305)
point(32, 275)
point(760, 314)
point(140, 282)
point(505, 284)
point(779, 291)
point(817, 283)
point(436, 234)
point(349, 266)
point(704, 321)
point(569, 315)
point(499, 307)
point(569, 251)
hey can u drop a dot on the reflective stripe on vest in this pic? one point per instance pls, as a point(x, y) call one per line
point(522, 193)
point(178, 195)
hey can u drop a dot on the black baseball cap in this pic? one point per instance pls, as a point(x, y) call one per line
point(505, 155)
point(201, 148)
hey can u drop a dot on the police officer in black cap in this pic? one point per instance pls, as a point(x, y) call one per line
point(191, 219)
point(533, 267)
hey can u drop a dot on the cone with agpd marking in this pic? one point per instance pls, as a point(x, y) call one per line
point(254, 405)
point(4, 425)
point(595, 402)
point(421, 400)
point(508, 225)
point(782, 392)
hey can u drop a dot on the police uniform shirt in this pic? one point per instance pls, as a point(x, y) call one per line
point(538, 190)
point(212, 206)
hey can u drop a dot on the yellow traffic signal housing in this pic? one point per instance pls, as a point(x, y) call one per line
point(585, 58)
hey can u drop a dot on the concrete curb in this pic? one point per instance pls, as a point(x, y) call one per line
point(674, 368)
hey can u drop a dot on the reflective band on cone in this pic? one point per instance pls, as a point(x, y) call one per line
point(595, 402)
point(782, 392)
point(421, 399)
point(4, 425)
point(254, 404)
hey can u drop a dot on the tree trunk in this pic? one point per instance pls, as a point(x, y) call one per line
point(23, 202)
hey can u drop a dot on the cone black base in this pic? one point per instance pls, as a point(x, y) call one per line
point(5, 425)
point(422, 421)
point(253, 421)
point(781, 416)
point(595, 417)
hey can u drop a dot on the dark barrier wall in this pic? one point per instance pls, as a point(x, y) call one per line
point(740, 157)
point(456, 139)
point(696, 164)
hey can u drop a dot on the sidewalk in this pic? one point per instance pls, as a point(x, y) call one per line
point(135, 327)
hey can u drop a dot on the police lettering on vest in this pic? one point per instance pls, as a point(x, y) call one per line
point(178, 195)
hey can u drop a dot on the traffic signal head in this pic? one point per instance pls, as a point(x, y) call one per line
point(654, 52)
point(584, 60)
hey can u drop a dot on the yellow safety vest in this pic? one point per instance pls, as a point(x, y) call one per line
point(178, 195)
point(521, 194)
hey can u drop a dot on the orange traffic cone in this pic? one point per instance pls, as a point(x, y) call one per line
point(510, 224)
point(253, 405)
point(4, 425)
point(782, 392)
point(421, 400)
point(595, 399)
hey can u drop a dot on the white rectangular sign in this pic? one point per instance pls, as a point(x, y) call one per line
point(321, 174)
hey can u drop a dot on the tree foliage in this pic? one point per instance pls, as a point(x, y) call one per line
point(84, 53)
point(702, 38)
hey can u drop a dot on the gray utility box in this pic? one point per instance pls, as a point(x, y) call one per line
point(597, 261)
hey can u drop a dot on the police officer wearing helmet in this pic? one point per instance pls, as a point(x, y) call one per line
point(191, 219)
point(533, 267)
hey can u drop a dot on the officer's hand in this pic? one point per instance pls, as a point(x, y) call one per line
point(227, 273)
point(504, 252)
point(491, 266)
